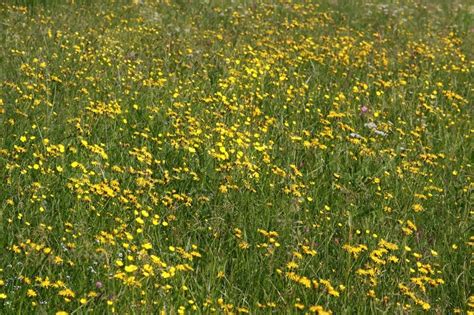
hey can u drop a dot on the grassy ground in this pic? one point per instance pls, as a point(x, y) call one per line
point(235, 156)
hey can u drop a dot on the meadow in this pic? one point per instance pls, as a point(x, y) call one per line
point(232, 157)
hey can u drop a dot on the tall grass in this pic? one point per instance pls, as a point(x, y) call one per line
point(236, 156)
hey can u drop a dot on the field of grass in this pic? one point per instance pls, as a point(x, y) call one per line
point(236, 157)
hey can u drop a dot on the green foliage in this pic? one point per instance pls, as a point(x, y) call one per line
point(235, 156)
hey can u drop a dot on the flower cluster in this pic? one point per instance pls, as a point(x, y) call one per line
point(235, 157)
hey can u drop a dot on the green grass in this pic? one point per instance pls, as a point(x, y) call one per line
point(232, 157)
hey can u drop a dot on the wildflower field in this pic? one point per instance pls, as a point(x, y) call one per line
point(280, 156)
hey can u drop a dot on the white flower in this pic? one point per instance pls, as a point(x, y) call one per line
point(380, 133)
point(355, 135)
point(371, 125)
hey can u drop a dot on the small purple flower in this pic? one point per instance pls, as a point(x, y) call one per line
point(364, 109)
point(98, 285)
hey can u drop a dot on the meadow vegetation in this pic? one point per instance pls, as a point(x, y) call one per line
point(236, 157)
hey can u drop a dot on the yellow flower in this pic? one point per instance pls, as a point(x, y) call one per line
point(31, 293)
point(131, 268)
point(291, 265)
point(147, 246)
point(417, 207)
point(299, 306)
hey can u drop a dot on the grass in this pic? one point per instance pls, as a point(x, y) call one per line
point(234, 156)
